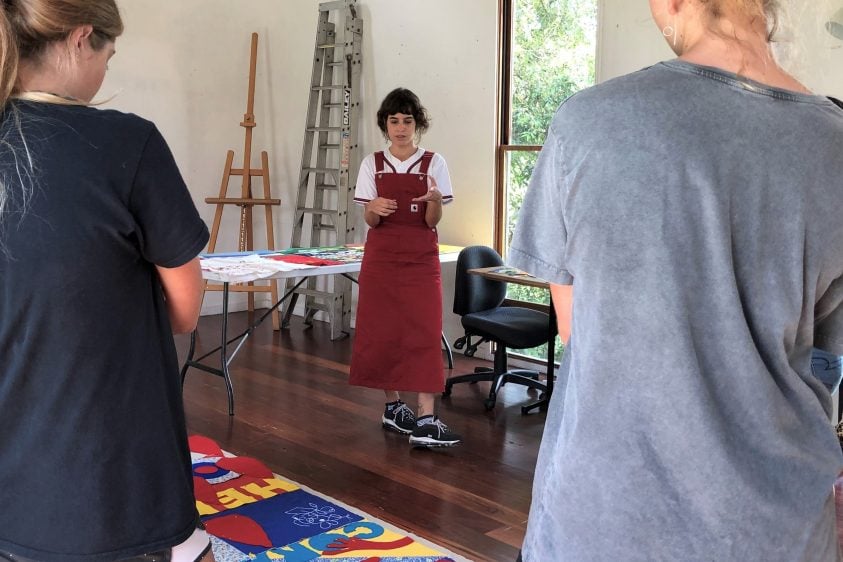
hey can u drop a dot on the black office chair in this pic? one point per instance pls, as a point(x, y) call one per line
point(478, 301)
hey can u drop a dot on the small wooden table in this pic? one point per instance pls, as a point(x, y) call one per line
point(512, 275)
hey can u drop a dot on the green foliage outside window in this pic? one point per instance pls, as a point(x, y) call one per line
point(553, 53)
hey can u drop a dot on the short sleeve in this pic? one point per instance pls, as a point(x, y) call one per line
point(439, 171)
point(828, 330)
point(171, 233)
point(365, 190)
point(540, 238)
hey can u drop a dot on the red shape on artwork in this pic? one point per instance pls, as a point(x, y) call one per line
point(204, 446)
point(344, 545)
point(306, 260)
point(206, 469)
point(245, 465)
point(238, 528)
point(204, 491)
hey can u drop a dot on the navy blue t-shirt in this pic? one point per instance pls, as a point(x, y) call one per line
point(95, 463)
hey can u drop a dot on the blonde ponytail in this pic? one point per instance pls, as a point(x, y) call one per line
point(9, 57)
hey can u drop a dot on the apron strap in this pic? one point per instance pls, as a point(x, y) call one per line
point(381, 162)
point(425, 162)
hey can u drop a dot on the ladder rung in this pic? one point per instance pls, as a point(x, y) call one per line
point(314, 211)
point(314, 293)
point(324, 88)
point(331, 105)
point(325, 227)
point(329, 6)
point(326, 187)
point(321, 170)
point(329, 45)
point(324, 129)
point(241, 201)
point(329, 146)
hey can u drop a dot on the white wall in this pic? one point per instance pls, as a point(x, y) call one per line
point(184, 65)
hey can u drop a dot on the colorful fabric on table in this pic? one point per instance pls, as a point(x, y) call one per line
point(304, 259)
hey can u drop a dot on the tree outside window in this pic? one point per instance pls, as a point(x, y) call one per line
point(548, 53)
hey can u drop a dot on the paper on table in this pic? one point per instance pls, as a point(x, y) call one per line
point(238, 269)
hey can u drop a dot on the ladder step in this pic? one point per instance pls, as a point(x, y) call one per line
point(325, 88)
point(321, 170)
point(313, 211)
point(324, 129)
point(325, 187)
point(330, 146)
point(329, 6)
point(315, 293)
point(244, 201)
point(329, 45)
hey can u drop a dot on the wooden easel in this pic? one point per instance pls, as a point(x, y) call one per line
point(246, 201)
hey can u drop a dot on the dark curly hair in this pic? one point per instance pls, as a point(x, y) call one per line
point(402, 100)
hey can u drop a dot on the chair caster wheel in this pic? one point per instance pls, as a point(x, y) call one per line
point(469, 351)
point(460, 343)
point(489, 404)
point(446, 392)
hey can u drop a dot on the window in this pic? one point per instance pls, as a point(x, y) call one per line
point(548, 51)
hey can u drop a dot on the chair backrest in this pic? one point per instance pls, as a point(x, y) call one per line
point(473, 293)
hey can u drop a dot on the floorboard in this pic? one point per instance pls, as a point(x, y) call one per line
point(295, 411)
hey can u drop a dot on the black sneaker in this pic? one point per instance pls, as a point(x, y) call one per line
point(431, 432)
point(397, 416)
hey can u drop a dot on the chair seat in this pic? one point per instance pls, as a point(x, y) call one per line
point(513, 326)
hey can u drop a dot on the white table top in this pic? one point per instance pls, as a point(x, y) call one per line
point(241, 272)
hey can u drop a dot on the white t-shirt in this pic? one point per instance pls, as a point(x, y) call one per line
point(366, 190)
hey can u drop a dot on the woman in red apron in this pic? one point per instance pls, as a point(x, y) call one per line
point(399, 311)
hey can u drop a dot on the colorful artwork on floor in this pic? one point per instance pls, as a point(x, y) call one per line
point(253, 514)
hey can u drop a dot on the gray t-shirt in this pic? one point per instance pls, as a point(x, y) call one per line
point(698, 216)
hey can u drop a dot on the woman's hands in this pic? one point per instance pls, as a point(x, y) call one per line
point(377, 208)
point(433, 198)
point(433, 194)
point(382, 207)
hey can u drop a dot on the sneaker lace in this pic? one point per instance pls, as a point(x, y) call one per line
point(440, 426)
point(403, 412)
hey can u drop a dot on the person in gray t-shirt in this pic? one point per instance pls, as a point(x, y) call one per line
point(693, 210)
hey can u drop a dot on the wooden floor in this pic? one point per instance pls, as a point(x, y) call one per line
point(295, 412)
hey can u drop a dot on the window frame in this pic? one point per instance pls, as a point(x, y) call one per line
point(503, 129)
point(504, 120)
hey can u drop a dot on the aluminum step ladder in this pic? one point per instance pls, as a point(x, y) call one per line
point(330, 160)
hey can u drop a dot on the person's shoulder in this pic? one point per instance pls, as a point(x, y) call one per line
point(435, 158)
point(88, 120)
point(617, 88)
point(125, 120)
point(836, 110)
point(615, 98)
point(369, 159)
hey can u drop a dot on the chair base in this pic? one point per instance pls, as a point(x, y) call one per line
point(518, 376)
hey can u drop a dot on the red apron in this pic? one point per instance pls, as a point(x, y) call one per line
point(399, 307)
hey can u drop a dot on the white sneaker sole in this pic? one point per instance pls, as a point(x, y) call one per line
point(392, 426)
point(430, 442)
